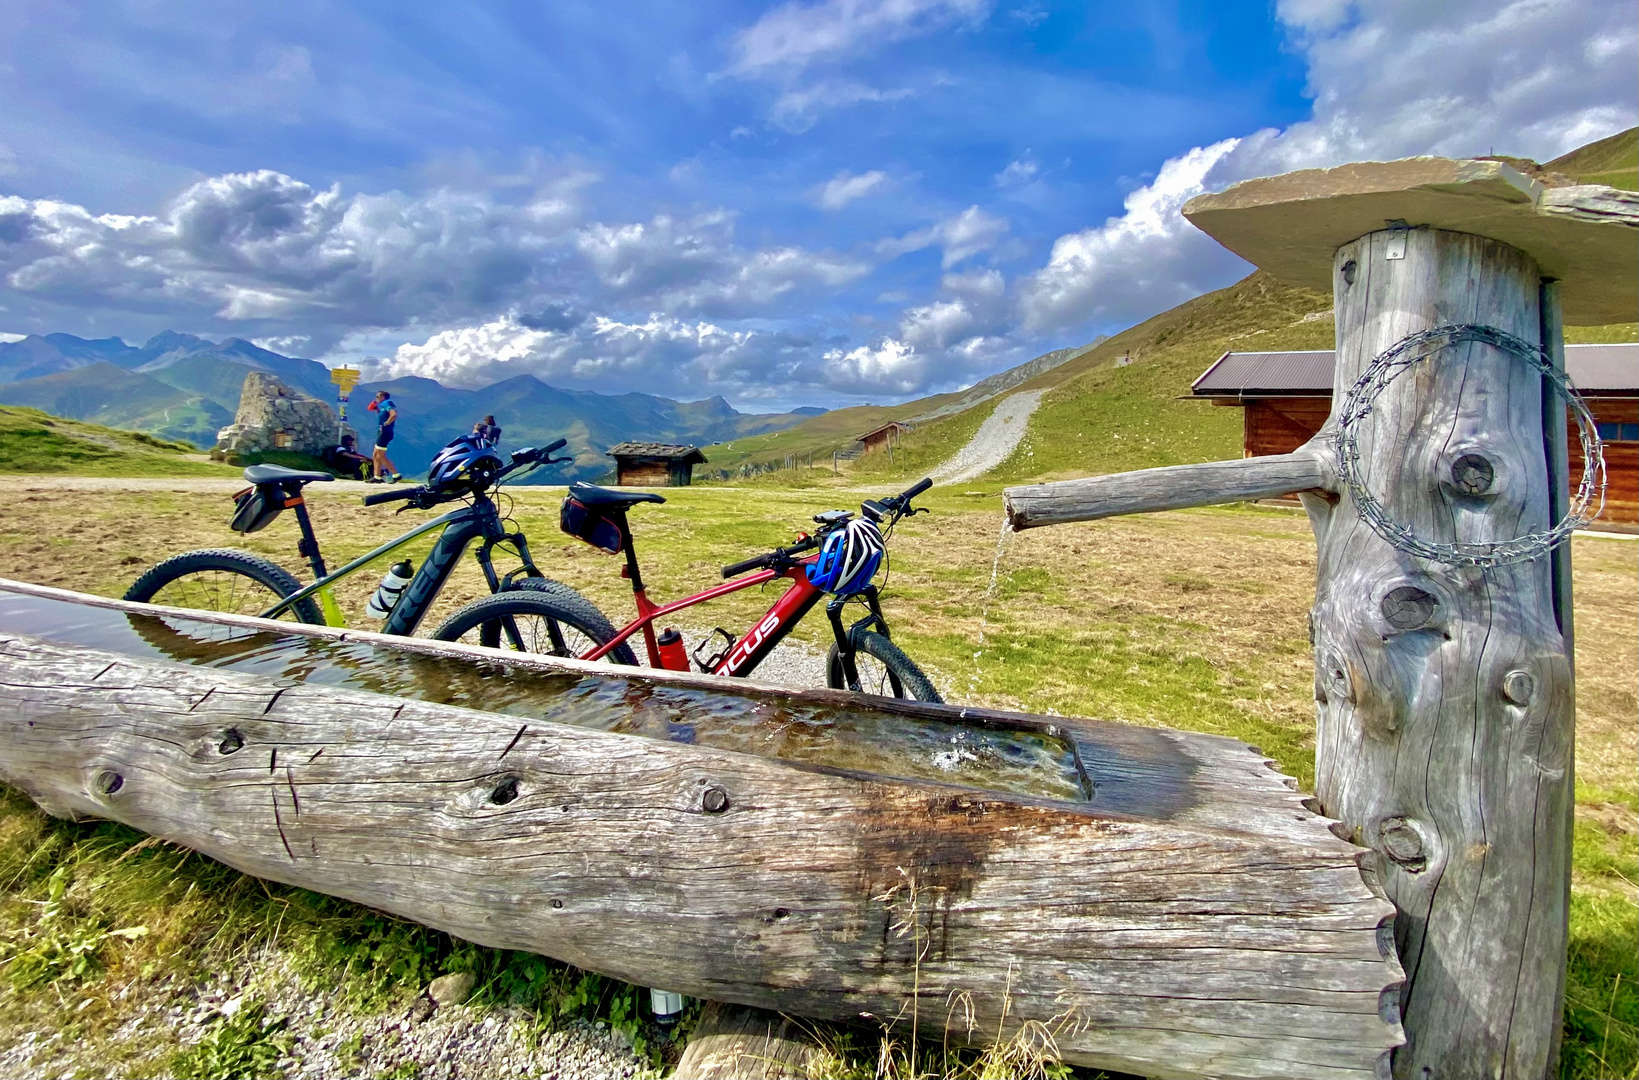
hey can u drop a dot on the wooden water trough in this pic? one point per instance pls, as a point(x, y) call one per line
point(1187, 914)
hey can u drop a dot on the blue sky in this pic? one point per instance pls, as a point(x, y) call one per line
point(819, 202)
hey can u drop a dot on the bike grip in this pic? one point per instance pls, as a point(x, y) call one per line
point(736, 569)
point(549, 447)
point(916, 489)
point(391, 496)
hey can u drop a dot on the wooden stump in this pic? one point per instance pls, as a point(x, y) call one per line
point(737, 1042)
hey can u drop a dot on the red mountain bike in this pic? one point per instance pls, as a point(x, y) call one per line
point(545, 616)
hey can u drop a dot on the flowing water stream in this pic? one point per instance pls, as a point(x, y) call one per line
point(973, 753)
point(984, 608)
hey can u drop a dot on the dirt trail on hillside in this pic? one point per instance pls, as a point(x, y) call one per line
point(993, 442)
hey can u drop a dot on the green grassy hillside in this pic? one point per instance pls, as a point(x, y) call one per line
point(1613, 161)
point(819, 436)
point(33, 442)
point(1103, 413)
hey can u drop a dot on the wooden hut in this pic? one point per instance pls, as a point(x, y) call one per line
point(1286, 397)
point(881, 438)
point(647, 464)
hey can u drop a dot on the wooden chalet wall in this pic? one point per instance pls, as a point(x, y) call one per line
point(1279, 425)
point(652, 472)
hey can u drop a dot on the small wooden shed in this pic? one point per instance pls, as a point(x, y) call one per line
point(647, 464)
point(881, 438)
point(1288, 395)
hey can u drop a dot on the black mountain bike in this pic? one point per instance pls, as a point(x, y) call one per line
point(228, 580)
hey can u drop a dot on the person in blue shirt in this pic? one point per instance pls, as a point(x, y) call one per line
point(387, 415)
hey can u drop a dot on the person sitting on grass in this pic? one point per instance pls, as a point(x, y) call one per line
point(387, 413)
point(346, 460)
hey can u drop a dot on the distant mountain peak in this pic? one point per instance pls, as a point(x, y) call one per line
point(168, 340)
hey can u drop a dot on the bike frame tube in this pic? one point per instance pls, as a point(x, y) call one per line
point(749, 650)
point(363, 560)
point(648, 611)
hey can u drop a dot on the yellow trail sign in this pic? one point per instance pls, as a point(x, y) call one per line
point(344, 377)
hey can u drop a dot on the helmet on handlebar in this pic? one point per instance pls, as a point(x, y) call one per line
point(849, 558)
point(465, 462)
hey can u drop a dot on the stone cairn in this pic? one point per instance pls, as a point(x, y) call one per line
point(274, 417)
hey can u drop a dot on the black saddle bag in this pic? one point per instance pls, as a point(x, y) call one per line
point(584, 523)
point(255, 507)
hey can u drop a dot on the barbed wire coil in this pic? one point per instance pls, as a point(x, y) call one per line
point(1358, 404)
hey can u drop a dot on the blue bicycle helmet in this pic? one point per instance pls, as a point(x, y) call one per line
point(850, 555)
point(465, 462)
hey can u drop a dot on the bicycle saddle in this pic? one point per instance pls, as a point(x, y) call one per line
point(278, 474)
point(592, 495)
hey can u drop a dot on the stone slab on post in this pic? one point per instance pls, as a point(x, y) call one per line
point(1445, 705)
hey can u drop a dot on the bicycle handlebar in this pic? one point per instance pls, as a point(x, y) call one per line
point(772, 559)
point(394, 496)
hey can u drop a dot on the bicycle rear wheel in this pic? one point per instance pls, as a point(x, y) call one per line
point(539, 616)
point(884, 670)
point(225, 580)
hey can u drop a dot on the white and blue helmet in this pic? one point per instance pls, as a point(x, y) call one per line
point(849, 558)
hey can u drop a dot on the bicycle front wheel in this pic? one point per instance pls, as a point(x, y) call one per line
point(538, 616)
point(884, 670)
point(225, 580)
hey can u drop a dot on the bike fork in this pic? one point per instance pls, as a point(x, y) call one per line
point(845, 637)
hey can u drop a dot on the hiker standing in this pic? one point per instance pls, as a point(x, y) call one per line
point(387, 414)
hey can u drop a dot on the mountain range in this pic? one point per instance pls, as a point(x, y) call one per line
point(178, 386)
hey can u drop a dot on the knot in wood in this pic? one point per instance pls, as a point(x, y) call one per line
point(232, 742)
point(1408, 607)
point(1473, 474)
point(1401, 842)
point(714, 801)
point(506, 791)
point(108, 781)
point(1519, 687)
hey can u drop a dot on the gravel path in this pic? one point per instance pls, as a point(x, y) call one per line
point(994, 440)
point(328, 1042)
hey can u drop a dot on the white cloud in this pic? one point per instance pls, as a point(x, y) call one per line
point(794, 36)
point(976, 308)
point(845, 187)
point(961, 237)
point(787, 47)
point(890, 365)
point(798, 109)
point(1017, 174)
point(1389, 80)
point(267, 250)
point(660, 354)
point(1148, 258)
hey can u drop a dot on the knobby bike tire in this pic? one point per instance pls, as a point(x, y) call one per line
point(905, 679)
point(277, 581)
point(542, 598)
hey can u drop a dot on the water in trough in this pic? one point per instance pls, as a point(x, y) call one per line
point(1019, 760)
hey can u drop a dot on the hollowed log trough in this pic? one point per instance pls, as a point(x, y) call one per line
point(1194, 917)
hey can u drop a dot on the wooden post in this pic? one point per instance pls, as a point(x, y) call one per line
point(1445, 705)
point(1444, 693)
